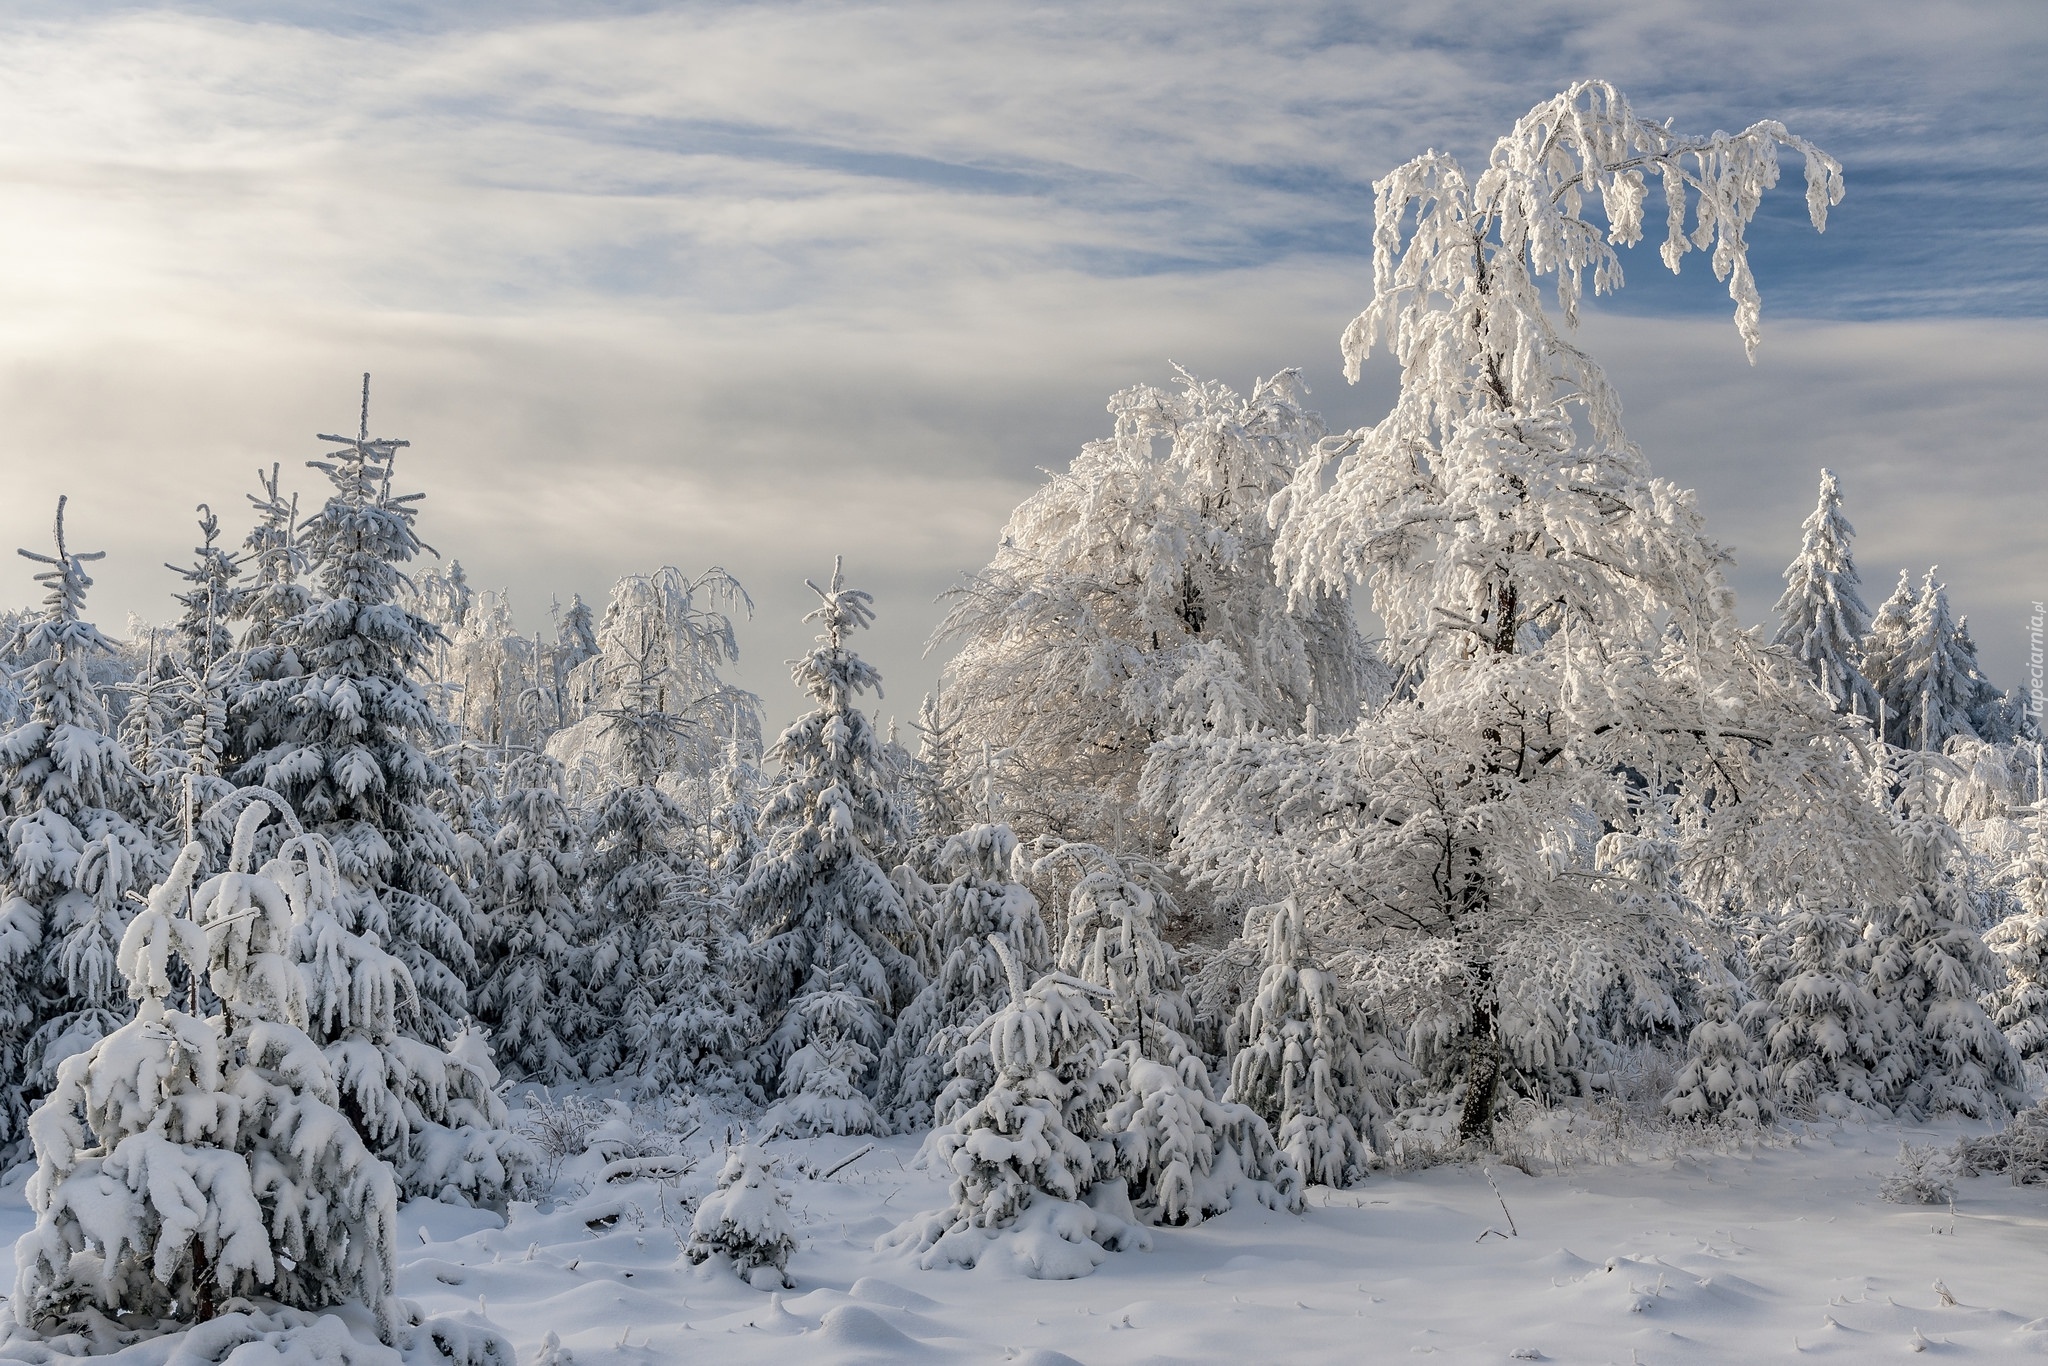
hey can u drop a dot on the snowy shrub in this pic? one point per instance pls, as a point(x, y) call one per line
point(1926, 1176)
point(2019, 1151)
point(746, 1221)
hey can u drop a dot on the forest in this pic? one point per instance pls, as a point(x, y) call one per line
point(1295, 806)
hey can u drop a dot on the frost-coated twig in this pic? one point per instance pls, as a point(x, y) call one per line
point(1512, 1232)
point(844, 1163)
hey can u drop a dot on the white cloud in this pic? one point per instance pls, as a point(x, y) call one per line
point(753, 284)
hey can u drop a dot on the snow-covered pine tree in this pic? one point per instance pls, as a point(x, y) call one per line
point(822, 913)
point(1028, 1150)
point(212, 599)
point(745, 1221)
point(1310, 1062)
point(1831, 1044)
point(979, 905)
point(1133, 597)
point(1887, 652)
point(79, 842)
point(1938, 680)
point(1724, 1073)
point(1931, 968)
point(1822, 619)
point(185, 1162)
point(837, 1041)
point(937, 782)
point(2020, 1005)
point(1558, 616)
point(433, 1113)
point(533, 994)
point(663, 968)
point(347, 737)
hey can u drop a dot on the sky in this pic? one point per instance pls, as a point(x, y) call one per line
point(758, 285)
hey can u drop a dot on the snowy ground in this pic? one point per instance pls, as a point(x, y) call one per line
point(1785, 1250)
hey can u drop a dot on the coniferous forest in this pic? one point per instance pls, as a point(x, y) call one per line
point(1301, 812)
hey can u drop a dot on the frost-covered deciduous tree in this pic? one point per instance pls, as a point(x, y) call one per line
point(185, 1162)
point(533, 995)
point(1565, 639)
point(79, 843)
point(1309, 1061)
point(823, 914)
point(347, 735)
point(1133, 597)
point(1822, 619)
point(979, 905)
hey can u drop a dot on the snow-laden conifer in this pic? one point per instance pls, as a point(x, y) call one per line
point(745, 1222)
point(2019, 1005)
point(212, 598)
point(1887, 654)
point(78, 843)
point(185, 1162)
point(979, 905)
point(347, 736)
point(1930, 967)
point(534, 995)
point(1831, 1045)
point(1309, 1061)
point(433, 1112)
point(837, 1039)
point(1029, 1149)
point(1559, 616)
point(1724, 1073)
point(823, 914)
point(1938, 679)
point(1822, 619)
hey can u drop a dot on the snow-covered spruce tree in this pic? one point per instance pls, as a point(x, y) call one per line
point(2020, 1005)
point(663, 968)
point(822, 913)
point(1831, 1044)
point(1887, 652)
point(1182, 1153)
point(1133, 597)
point(433, 1113)
point(978, 905)
point(745, 1222)
point(79, 842)
point(1309, 1061)
point(1822, 619)
point(837, 1041)
point(534, 993)
point(1931, 967)
point(1566, 641)
point(347, 738)
point(1028, 1150)
point(937, 782)
point(1724, 1074)
point(211, 598)
point(184, 1162)
point(1938, 679)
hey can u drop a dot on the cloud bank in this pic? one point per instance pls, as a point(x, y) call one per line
point(758, 284)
